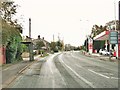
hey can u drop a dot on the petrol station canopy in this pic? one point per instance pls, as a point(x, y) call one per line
point(103, 36)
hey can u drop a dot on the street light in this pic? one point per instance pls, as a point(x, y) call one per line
point(115, 27)
point(87, 36)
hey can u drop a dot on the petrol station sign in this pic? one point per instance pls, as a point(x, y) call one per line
point(113, 37)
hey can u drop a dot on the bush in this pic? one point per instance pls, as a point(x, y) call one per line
point(11, 38)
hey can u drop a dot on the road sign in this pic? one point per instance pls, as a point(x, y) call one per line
point(113, 37)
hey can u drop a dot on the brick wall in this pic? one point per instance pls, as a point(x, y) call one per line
point(2, 55)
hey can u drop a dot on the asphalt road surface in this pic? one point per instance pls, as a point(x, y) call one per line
point(68, 70)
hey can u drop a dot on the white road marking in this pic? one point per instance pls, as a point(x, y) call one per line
point(108, 73)
point(83, 79)
point(90, 63)
point(79, 66)
point(98, 73)
point(103, 75)
point(114, 78)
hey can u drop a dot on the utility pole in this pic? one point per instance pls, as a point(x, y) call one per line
point(31, 44)
point(119, 31)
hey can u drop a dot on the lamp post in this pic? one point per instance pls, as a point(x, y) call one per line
point(116, 46)
point(89, 41)
point(87, 36)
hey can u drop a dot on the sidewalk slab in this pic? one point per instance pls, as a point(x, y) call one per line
point(11, 71)
point(100, 57)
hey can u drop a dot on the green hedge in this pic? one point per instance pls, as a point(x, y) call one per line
point(11, 38)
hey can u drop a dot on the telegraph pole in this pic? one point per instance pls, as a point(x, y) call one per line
point(119, 31)
point(31, 44)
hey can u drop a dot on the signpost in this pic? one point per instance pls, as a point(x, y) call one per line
point(113, 39)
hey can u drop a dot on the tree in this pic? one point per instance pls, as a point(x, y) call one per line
point(97, 30)
point(54, 46)
point(8, 9)
point(39, 44)
point(59, 45)
point(11, 38)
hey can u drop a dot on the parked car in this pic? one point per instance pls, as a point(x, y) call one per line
point(104, 52)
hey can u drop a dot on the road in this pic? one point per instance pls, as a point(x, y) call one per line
point(68, 70)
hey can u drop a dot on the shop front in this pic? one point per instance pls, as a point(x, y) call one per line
point(104, 36)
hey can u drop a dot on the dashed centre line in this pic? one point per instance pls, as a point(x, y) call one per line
point(83, 79)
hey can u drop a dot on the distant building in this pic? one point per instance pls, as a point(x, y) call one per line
point(46, 43)
point(112, 24)
point(67, 47)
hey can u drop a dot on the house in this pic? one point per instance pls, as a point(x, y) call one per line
point(43, 44)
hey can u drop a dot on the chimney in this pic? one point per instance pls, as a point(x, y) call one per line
point(30, 27)
point(38, 36)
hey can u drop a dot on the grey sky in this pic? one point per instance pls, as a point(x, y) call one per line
point(72, 19)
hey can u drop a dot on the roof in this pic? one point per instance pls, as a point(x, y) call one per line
point(102, 36)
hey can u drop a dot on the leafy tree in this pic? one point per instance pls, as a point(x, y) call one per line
point(59, 45)
point(54, 47)
point(97, 30)
point(11, 30)
point(8, 9)
point(12, 43)
point(39, 44)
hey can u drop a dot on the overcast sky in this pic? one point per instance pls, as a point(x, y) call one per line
point(71, 19)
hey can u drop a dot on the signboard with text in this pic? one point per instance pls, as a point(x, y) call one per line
point(113, 37)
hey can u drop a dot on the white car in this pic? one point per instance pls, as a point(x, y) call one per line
point(104, 52)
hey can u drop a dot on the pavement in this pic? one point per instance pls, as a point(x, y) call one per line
point(101, 57)
point(9, 72)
